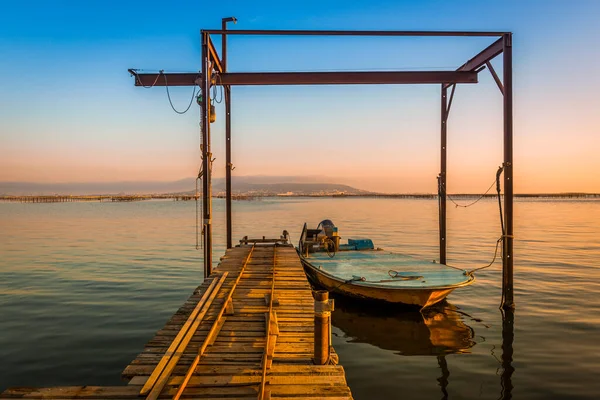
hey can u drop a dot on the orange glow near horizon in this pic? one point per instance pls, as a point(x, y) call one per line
point(90, 124)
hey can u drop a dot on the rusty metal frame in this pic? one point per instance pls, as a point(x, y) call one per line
point(228, 164)
point(317, 78)
point(466, 73)
point(214, 57)
point(286, 32)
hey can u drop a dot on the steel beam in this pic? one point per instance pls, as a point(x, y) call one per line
point(508, 337)
point(484, 56)
point(312, 78)
point(281, 32)
point(507, 248)
point(347, 78)
point(450, 102)
point(206, 159)
point(214, 56)
point(228, 164)
point(490, 68)
point(442, 181)
point(162, 79)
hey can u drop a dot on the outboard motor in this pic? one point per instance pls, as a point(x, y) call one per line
point(331, 231)
point(328, 227)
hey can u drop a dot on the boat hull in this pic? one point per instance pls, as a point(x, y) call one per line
point(418, 297)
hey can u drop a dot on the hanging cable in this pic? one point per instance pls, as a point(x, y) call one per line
point(134, 72)
point(215, 89)
point(171, 102)
point(501, 239)
point(470, 204)
point(498, 173)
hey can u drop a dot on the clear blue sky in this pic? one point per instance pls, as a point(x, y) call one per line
point(69, 110)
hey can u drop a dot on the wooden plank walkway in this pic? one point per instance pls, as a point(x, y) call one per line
point(245, 333)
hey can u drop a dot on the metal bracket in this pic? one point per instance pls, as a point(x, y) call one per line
point(495, 76)
point(324, 307)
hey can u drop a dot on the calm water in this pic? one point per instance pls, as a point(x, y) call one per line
point(83, 286)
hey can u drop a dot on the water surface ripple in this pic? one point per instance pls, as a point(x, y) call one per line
point(83, 286)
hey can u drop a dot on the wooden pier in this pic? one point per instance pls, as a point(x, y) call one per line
point(246, 333)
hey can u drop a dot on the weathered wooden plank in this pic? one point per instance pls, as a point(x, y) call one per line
point(74, 392)
point(177, 341)
point(224, 380)
point(284, 369)
point(156, 388)
point(213, 330)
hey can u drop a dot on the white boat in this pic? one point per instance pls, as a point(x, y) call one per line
point(357, 269)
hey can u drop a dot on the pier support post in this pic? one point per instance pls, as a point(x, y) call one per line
point(507, 243)
point(206, 158)
point(228, 164)
point(323, 308)
point(508, 337)
point(442, 177)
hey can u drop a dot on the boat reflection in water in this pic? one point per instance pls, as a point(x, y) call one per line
point(435, 332)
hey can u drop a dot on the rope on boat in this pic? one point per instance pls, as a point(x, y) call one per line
point(329, 247)
point(399, 275)
point(501, 239)
point(355, 278)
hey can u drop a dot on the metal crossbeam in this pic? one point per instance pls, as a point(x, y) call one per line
point(482, 58)
point(311, 78)
point(485, 55)
point(347, 33)
point(214, 56)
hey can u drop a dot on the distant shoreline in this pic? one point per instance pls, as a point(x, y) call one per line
point(188, 197)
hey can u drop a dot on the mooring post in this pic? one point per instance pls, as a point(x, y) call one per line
point(507, 242)
point(323, 308)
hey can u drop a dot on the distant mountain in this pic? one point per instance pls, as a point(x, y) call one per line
point(286, 188)
point(264, 185)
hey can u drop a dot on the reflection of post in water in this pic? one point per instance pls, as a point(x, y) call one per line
point(508, 336)
point(443, 380)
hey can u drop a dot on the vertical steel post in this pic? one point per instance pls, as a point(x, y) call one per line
point(228, 165)
point(507, 247)
point(508, 337)
point(206, 159)
point(442, 179)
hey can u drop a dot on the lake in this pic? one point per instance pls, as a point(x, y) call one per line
point(85, 285)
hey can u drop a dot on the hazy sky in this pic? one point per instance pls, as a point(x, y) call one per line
point(69, 110)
